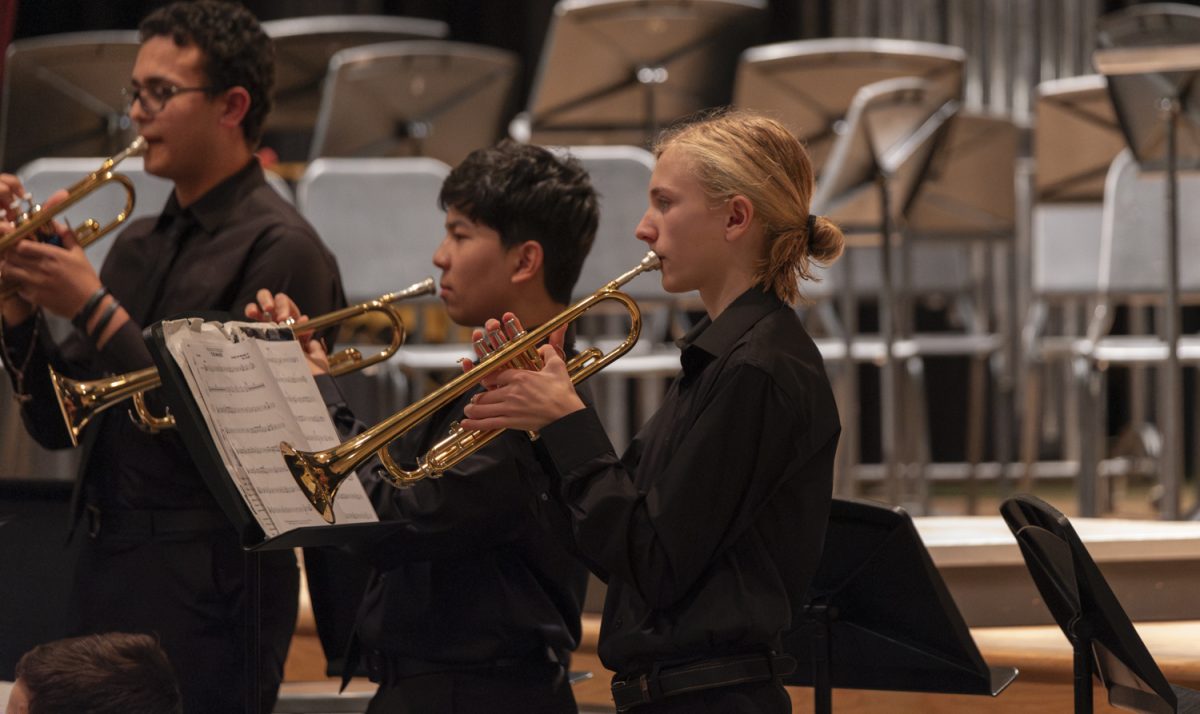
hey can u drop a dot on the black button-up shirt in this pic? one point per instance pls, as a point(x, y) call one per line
point(474, 578)
point(709, 529)
point(239, 237)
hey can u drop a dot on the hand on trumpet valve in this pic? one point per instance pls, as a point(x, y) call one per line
point(54, 274)
point(281, 309)
point(521, 395)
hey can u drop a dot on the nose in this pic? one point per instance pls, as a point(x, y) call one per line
point(645, 231)
point(441, 256)
point(138, 113)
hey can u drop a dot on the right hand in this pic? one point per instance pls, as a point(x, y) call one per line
point(278, 308)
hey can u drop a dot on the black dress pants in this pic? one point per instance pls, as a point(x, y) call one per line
point(540, 688)
point(189, 591)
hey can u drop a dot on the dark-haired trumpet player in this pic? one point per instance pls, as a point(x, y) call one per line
point(472, 608)
point(158, 556)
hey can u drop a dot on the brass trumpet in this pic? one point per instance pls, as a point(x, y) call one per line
point(320, 473)
point(36, 219)
point(79, 401)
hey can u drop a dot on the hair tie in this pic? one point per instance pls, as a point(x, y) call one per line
point(812, 225)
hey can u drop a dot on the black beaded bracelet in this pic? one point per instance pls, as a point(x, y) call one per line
point(105, 318)
point(81, 318)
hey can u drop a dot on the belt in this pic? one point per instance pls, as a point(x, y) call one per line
point(385, 668)
point(698, 676)
point(126, 523)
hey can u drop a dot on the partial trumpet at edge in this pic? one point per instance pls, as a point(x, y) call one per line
point(36, 220)
point(320, 473)
point(80, 401)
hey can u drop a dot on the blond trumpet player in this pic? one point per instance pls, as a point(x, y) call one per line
point(158, 555)
point(471, 608)
point(709, 528)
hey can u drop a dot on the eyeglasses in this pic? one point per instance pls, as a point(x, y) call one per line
point(154, 97)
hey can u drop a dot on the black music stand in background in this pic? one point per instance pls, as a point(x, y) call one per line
point(1091, 617)
point(616, 71)
point(809, 84)
point(62, 96)
point(415, 98)
point(1151, 58)
point(880, 617)
point(303, 48)
point(891, 132)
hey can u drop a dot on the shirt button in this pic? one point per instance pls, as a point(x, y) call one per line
point(545, 497)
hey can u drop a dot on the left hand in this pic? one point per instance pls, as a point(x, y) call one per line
point(279, 308)
point(522, 398)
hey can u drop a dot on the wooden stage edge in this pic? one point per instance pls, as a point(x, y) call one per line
point(1152, 566)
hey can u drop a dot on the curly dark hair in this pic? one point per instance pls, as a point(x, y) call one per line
point(237, 53)
point(524, 192)
point(112, 673)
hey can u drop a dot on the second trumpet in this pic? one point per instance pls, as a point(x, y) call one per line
point(80, 401)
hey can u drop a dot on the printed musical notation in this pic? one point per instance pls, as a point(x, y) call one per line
point(255, 391)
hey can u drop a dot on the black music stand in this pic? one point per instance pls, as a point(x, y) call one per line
point(809, 84)
point(614, 71)
point(62, 96)
point(416, 98)
point(193, 431)
point(1151, 57)
point(875, 168)
point(880, 617)
point(303, 48)
point(1091, 617)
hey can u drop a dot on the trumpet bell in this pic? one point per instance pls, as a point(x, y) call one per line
point(310, 478)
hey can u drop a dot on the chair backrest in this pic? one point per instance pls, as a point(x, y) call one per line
point(413, 98)
point(379, 217)
point(621, 176)
point(62, 96)
point(43, 177)
point(809, 84)
point(1132, 260)
point(1082, 604)
point(615, 71)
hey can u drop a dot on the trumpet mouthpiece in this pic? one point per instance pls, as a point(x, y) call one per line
point(137, 148)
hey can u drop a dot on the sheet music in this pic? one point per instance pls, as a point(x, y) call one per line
point(254, 388)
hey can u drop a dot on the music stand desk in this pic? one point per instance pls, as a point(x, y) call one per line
point(809, 85)
point(413, 98)
point(62, 96)
point(880, 617)
point(1090, 616)
point(614, 71)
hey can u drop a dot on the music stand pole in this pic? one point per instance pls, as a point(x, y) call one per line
point(1172, 401)
point(1081, 645)
point(889, 383)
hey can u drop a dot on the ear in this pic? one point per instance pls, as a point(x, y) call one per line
point(526, 261)
point(739, 215)
point(236, 105)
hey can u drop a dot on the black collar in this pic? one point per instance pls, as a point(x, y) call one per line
point(211, 209)
point(711, 338)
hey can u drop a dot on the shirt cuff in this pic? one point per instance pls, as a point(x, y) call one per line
point(574, 440)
